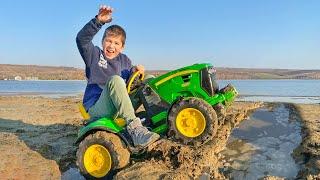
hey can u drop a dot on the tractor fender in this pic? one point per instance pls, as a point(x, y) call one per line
point(179, 99)
point(91, 130)
point(101, 124)
point(124, 136)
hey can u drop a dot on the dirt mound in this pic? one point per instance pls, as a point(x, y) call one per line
point(167, 159)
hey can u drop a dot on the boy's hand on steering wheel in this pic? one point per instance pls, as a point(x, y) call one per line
point(139, 68)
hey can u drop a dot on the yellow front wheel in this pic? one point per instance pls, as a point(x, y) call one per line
point(97, 160)
point(100, 153)
point(192, 121)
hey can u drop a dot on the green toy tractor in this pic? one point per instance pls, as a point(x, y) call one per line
point(180, 105)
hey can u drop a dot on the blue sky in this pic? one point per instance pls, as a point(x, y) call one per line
point(168, 34)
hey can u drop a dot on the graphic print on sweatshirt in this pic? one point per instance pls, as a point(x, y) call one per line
point(102, 62)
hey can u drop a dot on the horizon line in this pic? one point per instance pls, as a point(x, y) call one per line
point(255, 68)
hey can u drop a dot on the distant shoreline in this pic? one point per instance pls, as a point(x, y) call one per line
point(45, 80)
point(216, 79)
point(22, 72)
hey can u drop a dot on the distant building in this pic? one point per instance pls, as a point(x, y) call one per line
point(32, 78)
point(17, 78)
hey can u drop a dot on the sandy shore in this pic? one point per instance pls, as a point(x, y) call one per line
point(37, 135)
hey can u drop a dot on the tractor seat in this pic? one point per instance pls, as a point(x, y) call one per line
point(86, 116)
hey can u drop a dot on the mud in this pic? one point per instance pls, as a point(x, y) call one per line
point(309, 150)
point(169, 160)
point(37, 136)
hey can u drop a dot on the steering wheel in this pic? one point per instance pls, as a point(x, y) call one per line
point(134, 81)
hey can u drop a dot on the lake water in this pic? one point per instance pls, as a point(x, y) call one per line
point(298, 91)
point(295, 91)
point(43, 88)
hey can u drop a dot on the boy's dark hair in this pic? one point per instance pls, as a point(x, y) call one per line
point(115, 30)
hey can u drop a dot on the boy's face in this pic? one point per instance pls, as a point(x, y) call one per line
point(112, 46)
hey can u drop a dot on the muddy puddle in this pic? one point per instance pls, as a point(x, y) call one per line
point(72, 173)
point(263, 145)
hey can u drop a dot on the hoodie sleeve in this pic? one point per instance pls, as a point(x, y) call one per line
point(84, 40)
point(126, 68)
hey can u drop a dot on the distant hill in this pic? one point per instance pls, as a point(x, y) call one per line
point(246, 73)
point(8, 71)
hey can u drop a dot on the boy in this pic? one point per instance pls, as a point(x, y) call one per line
point(106, 70)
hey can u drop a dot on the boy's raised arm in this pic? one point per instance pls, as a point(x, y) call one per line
point(86, 34)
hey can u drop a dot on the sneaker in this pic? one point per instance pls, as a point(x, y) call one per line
point(140, 135)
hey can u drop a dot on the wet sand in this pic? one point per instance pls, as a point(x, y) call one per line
point(37, 135)
point(309, 150)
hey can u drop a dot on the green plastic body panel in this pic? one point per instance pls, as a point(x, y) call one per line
point(159, 117)
point(161, 129)
point(172, 86)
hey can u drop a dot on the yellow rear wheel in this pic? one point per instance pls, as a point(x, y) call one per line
point(100, 153)
point(97, 160)
point(190, 122)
